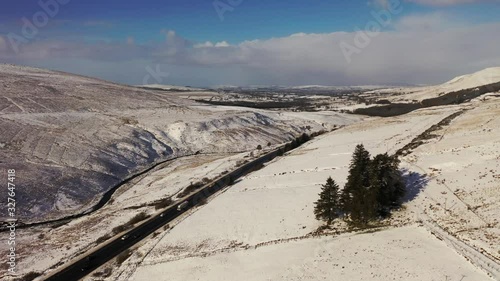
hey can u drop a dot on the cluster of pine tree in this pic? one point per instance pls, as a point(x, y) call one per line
point(373, 188)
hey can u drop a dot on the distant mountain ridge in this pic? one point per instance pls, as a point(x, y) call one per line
point(397, 101)
point(485, 77)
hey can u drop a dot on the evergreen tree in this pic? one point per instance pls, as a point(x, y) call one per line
point(364, 206)
point(373, 188)
point(358, 198)
point(327, 208)
point(386, 179)
point(358, 175)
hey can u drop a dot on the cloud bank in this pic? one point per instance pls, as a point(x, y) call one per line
point(418, 49)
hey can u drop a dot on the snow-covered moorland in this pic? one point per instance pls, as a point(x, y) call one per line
point(263, 228)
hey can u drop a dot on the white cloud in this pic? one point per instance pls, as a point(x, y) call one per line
point(300, 34)
point(413, 53)
point(222, 44)
point(207, 44)
point(421, 49)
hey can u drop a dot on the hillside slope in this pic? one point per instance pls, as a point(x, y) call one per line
point(397, 101)
point(72, 138)
point(485, 77)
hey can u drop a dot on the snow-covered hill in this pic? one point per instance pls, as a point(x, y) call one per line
point(472, 81)
point(72, 138)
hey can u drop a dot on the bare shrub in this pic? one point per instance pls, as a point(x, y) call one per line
point(103, 238)
point(203, 201)
point(138, 218)
point(123, 256)
point(103, 273)
point(129, 121)
point(29, 276)
point(163, 203)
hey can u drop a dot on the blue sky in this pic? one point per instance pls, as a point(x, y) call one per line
point(100, 38)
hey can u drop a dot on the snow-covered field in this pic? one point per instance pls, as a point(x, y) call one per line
point(262, 227)
point(407, 253)
point(463, 165)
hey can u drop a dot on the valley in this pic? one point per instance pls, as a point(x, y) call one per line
point(71, 144)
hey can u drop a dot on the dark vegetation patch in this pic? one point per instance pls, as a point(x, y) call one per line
point(123, 256)
point(374, 187)
point(394, 109)
point(29, 276)
point(163, 203)
point(300, 104)
point(129, 120)
point(174, 90)
point(103, 238)
point(462, 96)
point(103, 273)
point(456, 97)
point(121, 228)
point(137, 218)
point(190, 188)
point(203, 201)
point(427, 134)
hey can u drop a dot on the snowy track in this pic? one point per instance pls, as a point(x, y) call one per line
point(477, 258)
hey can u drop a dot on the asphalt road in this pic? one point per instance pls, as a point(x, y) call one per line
point(85, 265)
point(88, 263)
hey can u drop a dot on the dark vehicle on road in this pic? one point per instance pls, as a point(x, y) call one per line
point(182, 206)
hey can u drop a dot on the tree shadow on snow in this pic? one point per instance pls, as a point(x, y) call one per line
point(415, 183)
